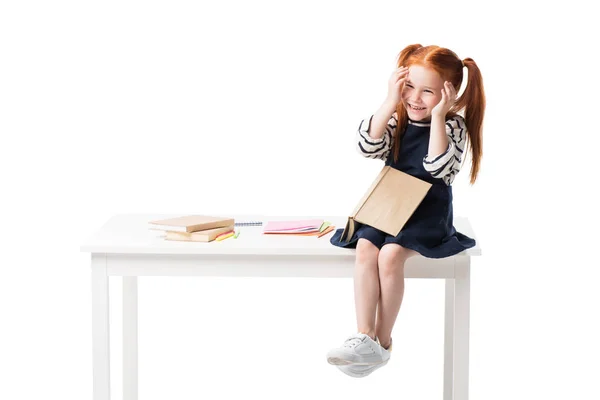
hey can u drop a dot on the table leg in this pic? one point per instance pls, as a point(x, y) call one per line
point(100, 329)
point(456, 339)
point(130, 336)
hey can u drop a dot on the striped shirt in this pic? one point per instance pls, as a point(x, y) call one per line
point(444, 166)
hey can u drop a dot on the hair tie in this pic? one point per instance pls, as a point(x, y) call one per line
point(463, 63)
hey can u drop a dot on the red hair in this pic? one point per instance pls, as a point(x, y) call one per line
point(450, 68)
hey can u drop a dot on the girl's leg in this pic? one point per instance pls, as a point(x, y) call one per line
point(366, 286)
point(391, 277)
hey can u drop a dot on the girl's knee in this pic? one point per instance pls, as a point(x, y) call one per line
point(366, 251)
point(393, 256)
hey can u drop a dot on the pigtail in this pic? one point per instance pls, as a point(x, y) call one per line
point(400, 110)
point(473, 102)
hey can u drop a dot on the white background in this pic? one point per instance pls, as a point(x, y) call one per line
point(251, 108)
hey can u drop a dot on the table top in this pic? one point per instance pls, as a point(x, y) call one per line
point(130, 234)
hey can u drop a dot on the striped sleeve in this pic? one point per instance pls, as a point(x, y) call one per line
point(375, 148)
point(446, 165)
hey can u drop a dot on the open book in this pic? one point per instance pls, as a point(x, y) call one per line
point(388, 204)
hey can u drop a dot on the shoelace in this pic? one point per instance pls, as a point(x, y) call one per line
point(352, 341)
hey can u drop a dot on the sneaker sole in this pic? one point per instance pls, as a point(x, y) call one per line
point(341, 362)
point(341, 358)
point(347, 369)
point(338, 361)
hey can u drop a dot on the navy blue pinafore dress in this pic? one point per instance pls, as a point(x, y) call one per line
point(430, 230)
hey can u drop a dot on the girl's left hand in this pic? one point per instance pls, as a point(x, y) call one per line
point(447, 101)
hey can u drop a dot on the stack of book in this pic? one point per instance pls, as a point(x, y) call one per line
point(194, 228)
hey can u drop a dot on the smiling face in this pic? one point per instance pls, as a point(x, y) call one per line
point(422, 92)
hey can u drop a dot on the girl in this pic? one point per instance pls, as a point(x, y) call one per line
point(417, 130)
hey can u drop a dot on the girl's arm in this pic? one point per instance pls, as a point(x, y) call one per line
point(447, 164)
point(381, 119)
point(438, 140)
point(370, 147)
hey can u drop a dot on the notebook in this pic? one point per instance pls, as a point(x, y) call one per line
point(306, 233)
point(298, 226)
point(191, 223)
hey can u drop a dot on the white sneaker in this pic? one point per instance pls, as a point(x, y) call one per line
point(360, 371)
point(358, 349)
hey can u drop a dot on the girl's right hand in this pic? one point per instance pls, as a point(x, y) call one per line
point(396, 85)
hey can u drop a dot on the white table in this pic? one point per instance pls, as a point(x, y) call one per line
point(125, 247)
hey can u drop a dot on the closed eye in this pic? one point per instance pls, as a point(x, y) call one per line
point(426, 90)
